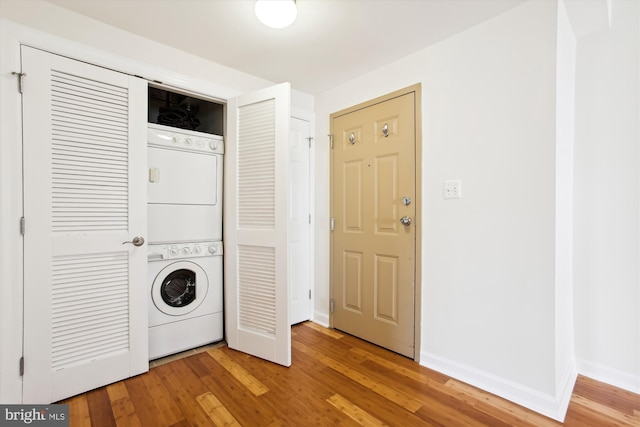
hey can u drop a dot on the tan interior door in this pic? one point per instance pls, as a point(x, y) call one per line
point(374, 223)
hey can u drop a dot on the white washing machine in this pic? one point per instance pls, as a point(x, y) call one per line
point(185, 296)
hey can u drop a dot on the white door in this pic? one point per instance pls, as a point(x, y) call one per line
point(85, 305)
point(299, 221)
point(255, 225)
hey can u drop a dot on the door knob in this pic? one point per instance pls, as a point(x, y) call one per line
point(405, 220)
point(137, 241)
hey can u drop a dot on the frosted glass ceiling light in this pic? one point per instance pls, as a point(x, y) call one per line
point(276, 13)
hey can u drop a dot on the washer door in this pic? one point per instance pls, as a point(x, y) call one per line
point(179, 288)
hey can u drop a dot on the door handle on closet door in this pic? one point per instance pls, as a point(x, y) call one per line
point(137, 241)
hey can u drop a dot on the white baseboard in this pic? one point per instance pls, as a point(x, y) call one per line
point(563, 396)
point(545, 404)
point(610, 376)
point(321, 319)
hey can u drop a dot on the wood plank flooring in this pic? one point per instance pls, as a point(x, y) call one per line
point(335, 379)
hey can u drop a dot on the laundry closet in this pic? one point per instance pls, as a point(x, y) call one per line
point(123, 224)
point(185, 157)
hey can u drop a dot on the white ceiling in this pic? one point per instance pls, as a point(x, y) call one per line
point(332, 41)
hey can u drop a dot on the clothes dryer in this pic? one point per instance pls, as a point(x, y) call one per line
point(185, 296)
point(184, 192)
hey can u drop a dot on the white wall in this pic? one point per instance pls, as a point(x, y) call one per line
point(607, 200)
point(497, 264)
point(489, 120)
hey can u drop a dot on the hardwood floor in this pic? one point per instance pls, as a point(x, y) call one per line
point(335, 379)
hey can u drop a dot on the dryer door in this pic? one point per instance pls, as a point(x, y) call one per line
point(180, 288)
point(182, 177)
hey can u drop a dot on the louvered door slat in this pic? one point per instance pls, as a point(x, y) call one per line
point(256, 166)
point(88, 351)
point(91, 89)
point(88, 142)
point(91, 138)
point(64, 106)
point(74, 345)
point(81, 166)
point(86, 116)
point(104, 273)
point(72, 163)
point(79, 193)
point(106, 108)
point(84, 139)
point(88, 139)
point(80, 125)
point(256, 271)
point(87, 327)
point(72, 272)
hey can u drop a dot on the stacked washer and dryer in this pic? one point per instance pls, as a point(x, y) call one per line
point(185, 239)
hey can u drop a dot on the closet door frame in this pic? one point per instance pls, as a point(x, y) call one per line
point(11, 244)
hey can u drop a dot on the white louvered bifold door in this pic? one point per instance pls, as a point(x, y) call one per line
point(255, 233)
point(85, 305)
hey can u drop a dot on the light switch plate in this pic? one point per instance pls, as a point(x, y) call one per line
point(452, 189)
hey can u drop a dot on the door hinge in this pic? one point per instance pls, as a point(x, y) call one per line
point(21, 77)
point(309, 293)
point(331, 305)
point(309, 138)
point(22, 225)
point(332, 224)
point(22, 366)
point(331, 140)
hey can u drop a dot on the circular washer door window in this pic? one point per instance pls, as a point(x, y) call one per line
point(179, 288)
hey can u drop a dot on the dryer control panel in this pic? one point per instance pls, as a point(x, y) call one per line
point(185, 140)
point(184, 250)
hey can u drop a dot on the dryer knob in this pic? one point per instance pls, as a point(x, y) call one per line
point(197, 250)
point(213, 145)
point(200, 143)
point(174, 251)
point(186, 250)
point(188, 141)
point(213, 249)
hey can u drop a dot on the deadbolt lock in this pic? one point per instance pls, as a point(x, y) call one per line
point(406, 201)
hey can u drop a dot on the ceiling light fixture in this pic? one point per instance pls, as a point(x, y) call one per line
point(276, 13)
